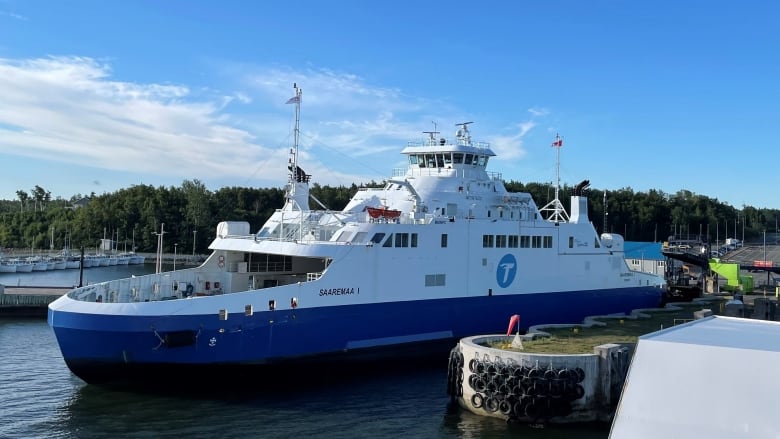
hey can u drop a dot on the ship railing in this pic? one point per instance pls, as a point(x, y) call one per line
point(437, 144)
point(147, 288)
point(440, 172)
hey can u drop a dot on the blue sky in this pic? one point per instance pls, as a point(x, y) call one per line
point(100, 95)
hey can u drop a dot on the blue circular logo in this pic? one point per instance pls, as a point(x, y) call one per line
point(506, 271)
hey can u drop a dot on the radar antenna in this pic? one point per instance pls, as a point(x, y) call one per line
point(555, 207)
point(431, 137)
point(463, 135)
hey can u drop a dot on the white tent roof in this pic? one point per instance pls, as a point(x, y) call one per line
point(717, 377)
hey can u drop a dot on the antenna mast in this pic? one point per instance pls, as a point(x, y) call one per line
point(296, 132)
point(606, 212)
point(555, 207)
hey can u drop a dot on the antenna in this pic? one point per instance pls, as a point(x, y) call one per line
point(606, 213)
point(558, 213)
point(463, 134)
point(431, 137)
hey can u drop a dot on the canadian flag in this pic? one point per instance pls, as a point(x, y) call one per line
point(558, 142)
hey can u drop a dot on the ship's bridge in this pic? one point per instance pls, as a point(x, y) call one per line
point(438, 156)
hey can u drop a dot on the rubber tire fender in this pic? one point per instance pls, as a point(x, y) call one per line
point(491, 404)
point(477, 400)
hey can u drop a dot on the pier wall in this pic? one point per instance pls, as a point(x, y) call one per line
point(537, 388)
point(28, 301)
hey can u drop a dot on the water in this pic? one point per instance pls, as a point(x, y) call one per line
point(40, 398)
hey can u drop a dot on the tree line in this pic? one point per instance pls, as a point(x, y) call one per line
point(131, 217)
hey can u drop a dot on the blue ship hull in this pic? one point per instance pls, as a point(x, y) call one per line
point(112, 348)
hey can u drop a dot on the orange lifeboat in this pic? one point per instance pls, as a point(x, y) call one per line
point(383, 212)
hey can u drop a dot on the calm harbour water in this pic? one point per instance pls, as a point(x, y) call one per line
point(40, 398)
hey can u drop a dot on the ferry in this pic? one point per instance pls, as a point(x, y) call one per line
point(442, 251)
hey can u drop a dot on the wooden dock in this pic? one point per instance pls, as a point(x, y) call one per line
point(28, 301)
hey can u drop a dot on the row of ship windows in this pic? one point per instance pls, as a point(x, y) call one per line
point(441, 160)
point(488, 241)
point(640, 262)
point(515, 241)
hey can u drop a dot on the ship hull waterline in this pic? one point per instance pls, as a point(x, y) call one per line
point(116, 349)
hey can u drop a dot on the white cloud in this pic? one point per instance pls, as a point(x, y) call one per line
point(13, 15)
point(510, 147)
point(70, 109)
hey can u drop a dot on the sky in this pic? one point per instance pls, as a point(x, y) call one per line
point(100, 95)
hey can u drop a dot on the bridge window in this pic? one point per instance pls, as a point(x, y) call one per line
point(536, 242)
point(487, 241)
point(457, 158)
point(513, 241)
point(468, 160)
point(500, 241)
point(547, 241)
point(412, 159)
point(525, 241)
point(377, 238)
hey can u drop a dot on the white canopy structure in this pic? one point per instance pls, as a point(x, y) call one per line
point(711, 378)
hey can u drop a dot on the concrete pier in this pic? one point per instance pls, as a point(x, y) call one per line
point(28, 301)
point(537, 388)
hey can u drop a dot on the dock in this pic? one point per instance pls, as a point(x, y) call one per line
point(28, 301)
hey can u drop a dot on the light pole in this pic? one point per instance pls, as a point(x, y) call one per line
point(194, 233)
point(765, 263)
point(175, 247)
point(158, 267)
